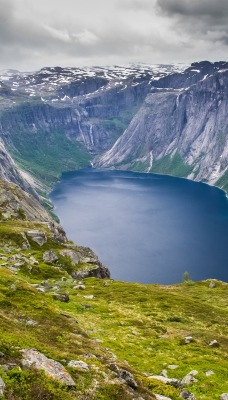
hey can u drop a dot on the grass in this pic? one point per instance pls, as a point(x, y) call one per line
point(172, 165)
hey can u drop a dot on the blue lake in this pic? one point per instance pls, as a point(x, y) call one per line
point(145, 227)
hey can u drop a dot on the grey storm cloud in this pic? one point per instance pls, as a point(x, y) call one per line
point(206, 16)
point(74, 32)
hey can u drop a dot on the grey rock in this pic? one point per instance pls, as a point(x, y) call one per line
point(63, 297)
point(114, 367)
point(160, 397)
point(97, 271)
point(212, 285)
point(164, 373)
point(188, 339)
point(31, 322)
point(187, 395)
point(74, 256)
point(79, 365)
point(170, 381)
point(2, 387)
point(37, 236)
point(173, 366)
point(2, 354)
point(224, 396)
point(134, 332)
point(209, 373)
point(128, 378)
point(189, 379)
point(50, 256)
point(214, 343)
point(80, 287)
point(54, 369)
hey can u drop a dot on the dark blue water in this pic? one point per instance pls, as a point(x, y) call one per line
point(145, 227)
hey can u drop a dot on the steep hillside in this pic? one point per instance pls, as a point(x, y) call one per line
point(67, 115)
point(179, 130)
point(66, 334)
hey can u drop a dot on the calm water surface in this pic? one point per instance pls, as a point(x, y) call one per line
point(145, 227)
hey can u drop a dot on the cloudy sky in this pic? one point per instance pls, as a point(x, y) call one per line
point(37, 33)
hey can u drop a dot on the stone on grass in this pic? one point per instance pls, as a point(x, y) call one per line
point(214, 343)
point(212, 285)
point(188, 339)
point(74, 256)
point(128, 378)
point(79, 287)
point(64, 297)
point(172, 366)
point(169, 381)
point(189, 379)
point(2, 387)
point(79, 365)
point(37, 236)
point(187, 395)
point(50, 256)
point(224, 396)
point(89, 296)
point(209, 373)
point(53, 369)
point(160, 397)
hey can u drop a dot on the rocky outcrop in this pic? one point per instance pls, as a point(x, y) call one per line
point(53, 369)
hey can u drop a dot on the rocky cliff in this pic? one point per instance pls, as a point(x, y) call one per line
point(181, 131)
point(167, 119)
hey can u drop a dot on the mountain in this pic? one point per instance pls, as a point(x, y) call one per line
point(151, 118)
point(181, 127)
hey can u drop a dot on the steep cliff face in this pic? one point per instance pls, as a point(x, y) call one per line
point(180, 131)
point(169, 119)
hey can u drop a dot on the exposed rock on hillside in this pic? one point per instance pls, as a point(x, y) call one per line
point(179, 131)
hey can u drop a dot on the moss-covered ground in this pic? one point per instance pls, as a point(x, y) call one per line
point(143, 325)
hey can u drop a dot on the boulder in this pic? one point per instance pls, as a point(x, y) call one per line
point(79, 365)
point(37, 236)
point(98, 271)
point(2, 387)
point(224, 396)
point(212, 285)
point(55, 370)
point(170, 381)
point(128, 378)
point(189, 379)
point(74, 256)
point(64, 297)
point(80, 287)
point(160, 397)
point(50, 256)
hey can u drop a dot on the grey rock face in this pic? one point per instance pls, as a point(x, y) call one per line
point(52, 368)
point(73, 255)
point(37, 236)
point(50, 256)
point(189, 121)
point(98, 271)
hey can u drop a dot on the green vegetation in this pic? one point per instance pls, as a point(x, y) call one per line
point(144, 325)
point(223, 182)
point(52, 154)
point(172, 165)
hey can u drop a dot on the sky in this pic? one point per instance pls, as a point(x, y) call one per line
point(39, 33)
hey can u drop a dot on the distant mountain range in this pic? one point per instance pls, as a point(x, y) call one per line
point(151, 118)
